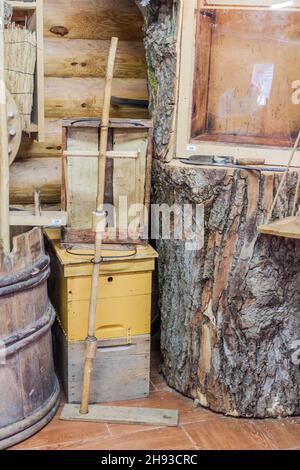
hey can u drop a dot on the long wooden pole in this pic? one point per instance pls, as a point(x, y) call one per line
point(99, 218)
point(4, 159)
point(296, 145)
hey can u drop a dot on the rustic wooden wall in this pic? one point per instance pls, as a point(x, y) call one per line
point(77, 36)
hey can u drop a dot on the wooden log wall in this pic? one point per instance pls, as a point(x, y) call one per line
point(76, 41)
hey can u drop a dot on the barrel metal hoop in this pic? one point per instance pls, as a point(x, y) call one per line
point(29, 279)
point(19, 341)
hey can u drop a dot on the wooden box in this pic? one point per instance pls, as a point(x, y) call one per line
point(121, 370)
point(124, 299)
point(128, 174)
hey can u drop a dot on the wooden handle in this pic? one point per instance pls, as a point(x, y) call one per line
point(4, 158)
point(250, 161)
point(105, 122)
point(91, 351)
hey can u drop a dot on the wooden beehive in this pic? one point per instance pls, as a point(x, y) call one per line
point(128, 174)
point(123, 319)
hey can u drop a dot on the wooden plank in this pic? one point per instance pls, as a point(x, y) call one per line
point(204, 22)
point(73, 236)
point(118, 414)
point(121, 370)
point(83, 97)
point(18, 5)
point(87, 58)
point(40, 71)
point(4, 156)
point(288, 227)
point(45, 219)
point(97, 19)
point(109, 154)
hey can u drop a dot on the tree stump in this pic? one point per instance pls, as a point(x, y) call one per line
point(230, 311)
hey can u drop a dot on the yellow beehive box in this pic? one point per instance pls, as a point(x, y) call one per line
point(124, 295)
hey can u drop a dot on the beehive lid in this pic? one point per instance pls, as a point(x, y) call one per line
point(76, 262)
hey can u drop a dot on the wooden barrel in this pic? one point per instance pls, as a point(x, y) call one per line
point(29, 390)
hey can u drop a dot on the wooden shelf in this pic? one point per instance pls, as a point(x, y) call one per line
point(288, 227)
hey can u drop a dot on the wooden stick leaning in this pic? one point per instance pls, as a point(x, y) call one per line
point(99, 218)
point(296, 145)
point(4, 159)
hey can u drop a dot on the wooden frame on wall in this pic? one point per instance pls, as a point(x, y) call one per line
point(81, 139)
point(185, 145)
point(36, 23)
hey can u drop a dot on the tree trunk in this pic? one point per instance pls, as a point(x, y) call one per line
point(230, 311)
point(161, 41)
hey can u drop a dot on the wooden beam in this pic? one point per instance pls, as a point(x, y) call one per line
point(35, 174)
point(44, 219)
point(109, 153)
point(4, 157)
point(97, 19)
point(40, 70)
point(87, 58)
point(83, 97)
point(22, 5)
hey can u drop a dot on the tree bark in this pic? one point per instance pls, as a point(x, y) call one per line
point(161, 37)
point(230, 311)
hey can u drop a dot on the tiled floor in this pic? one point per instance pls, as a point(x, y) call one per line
point(198, 429)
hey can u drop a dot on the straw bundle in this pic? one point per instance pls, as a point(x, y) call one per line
point(20, 60)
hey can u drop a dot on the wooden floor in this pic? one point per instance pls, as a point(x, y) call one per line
point(198, 429)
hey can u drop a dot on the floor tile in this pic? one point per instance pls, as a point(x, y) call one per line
point(282, 433)
point(158, 439)
point(59, 434)
point(227, 434)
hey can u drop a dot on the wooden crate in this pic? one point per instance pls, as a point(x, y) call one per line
point(124, 297)
point(121, 369)
point(128, 174)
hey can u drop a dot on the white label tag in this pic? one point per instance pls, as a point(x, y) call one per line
point(191, 148)
point(56, 222)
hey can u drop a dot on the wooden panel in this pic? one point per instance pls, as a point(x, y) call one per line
point(82, 178)
point(255, 104)
point(131, 179)
point(112, 285)
point(122, 415)
point(124, 179)
point(114, 317)
point(120, 372)
point(204, 23)
point(93, 19)
point(83, 97)
point(88, 58)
